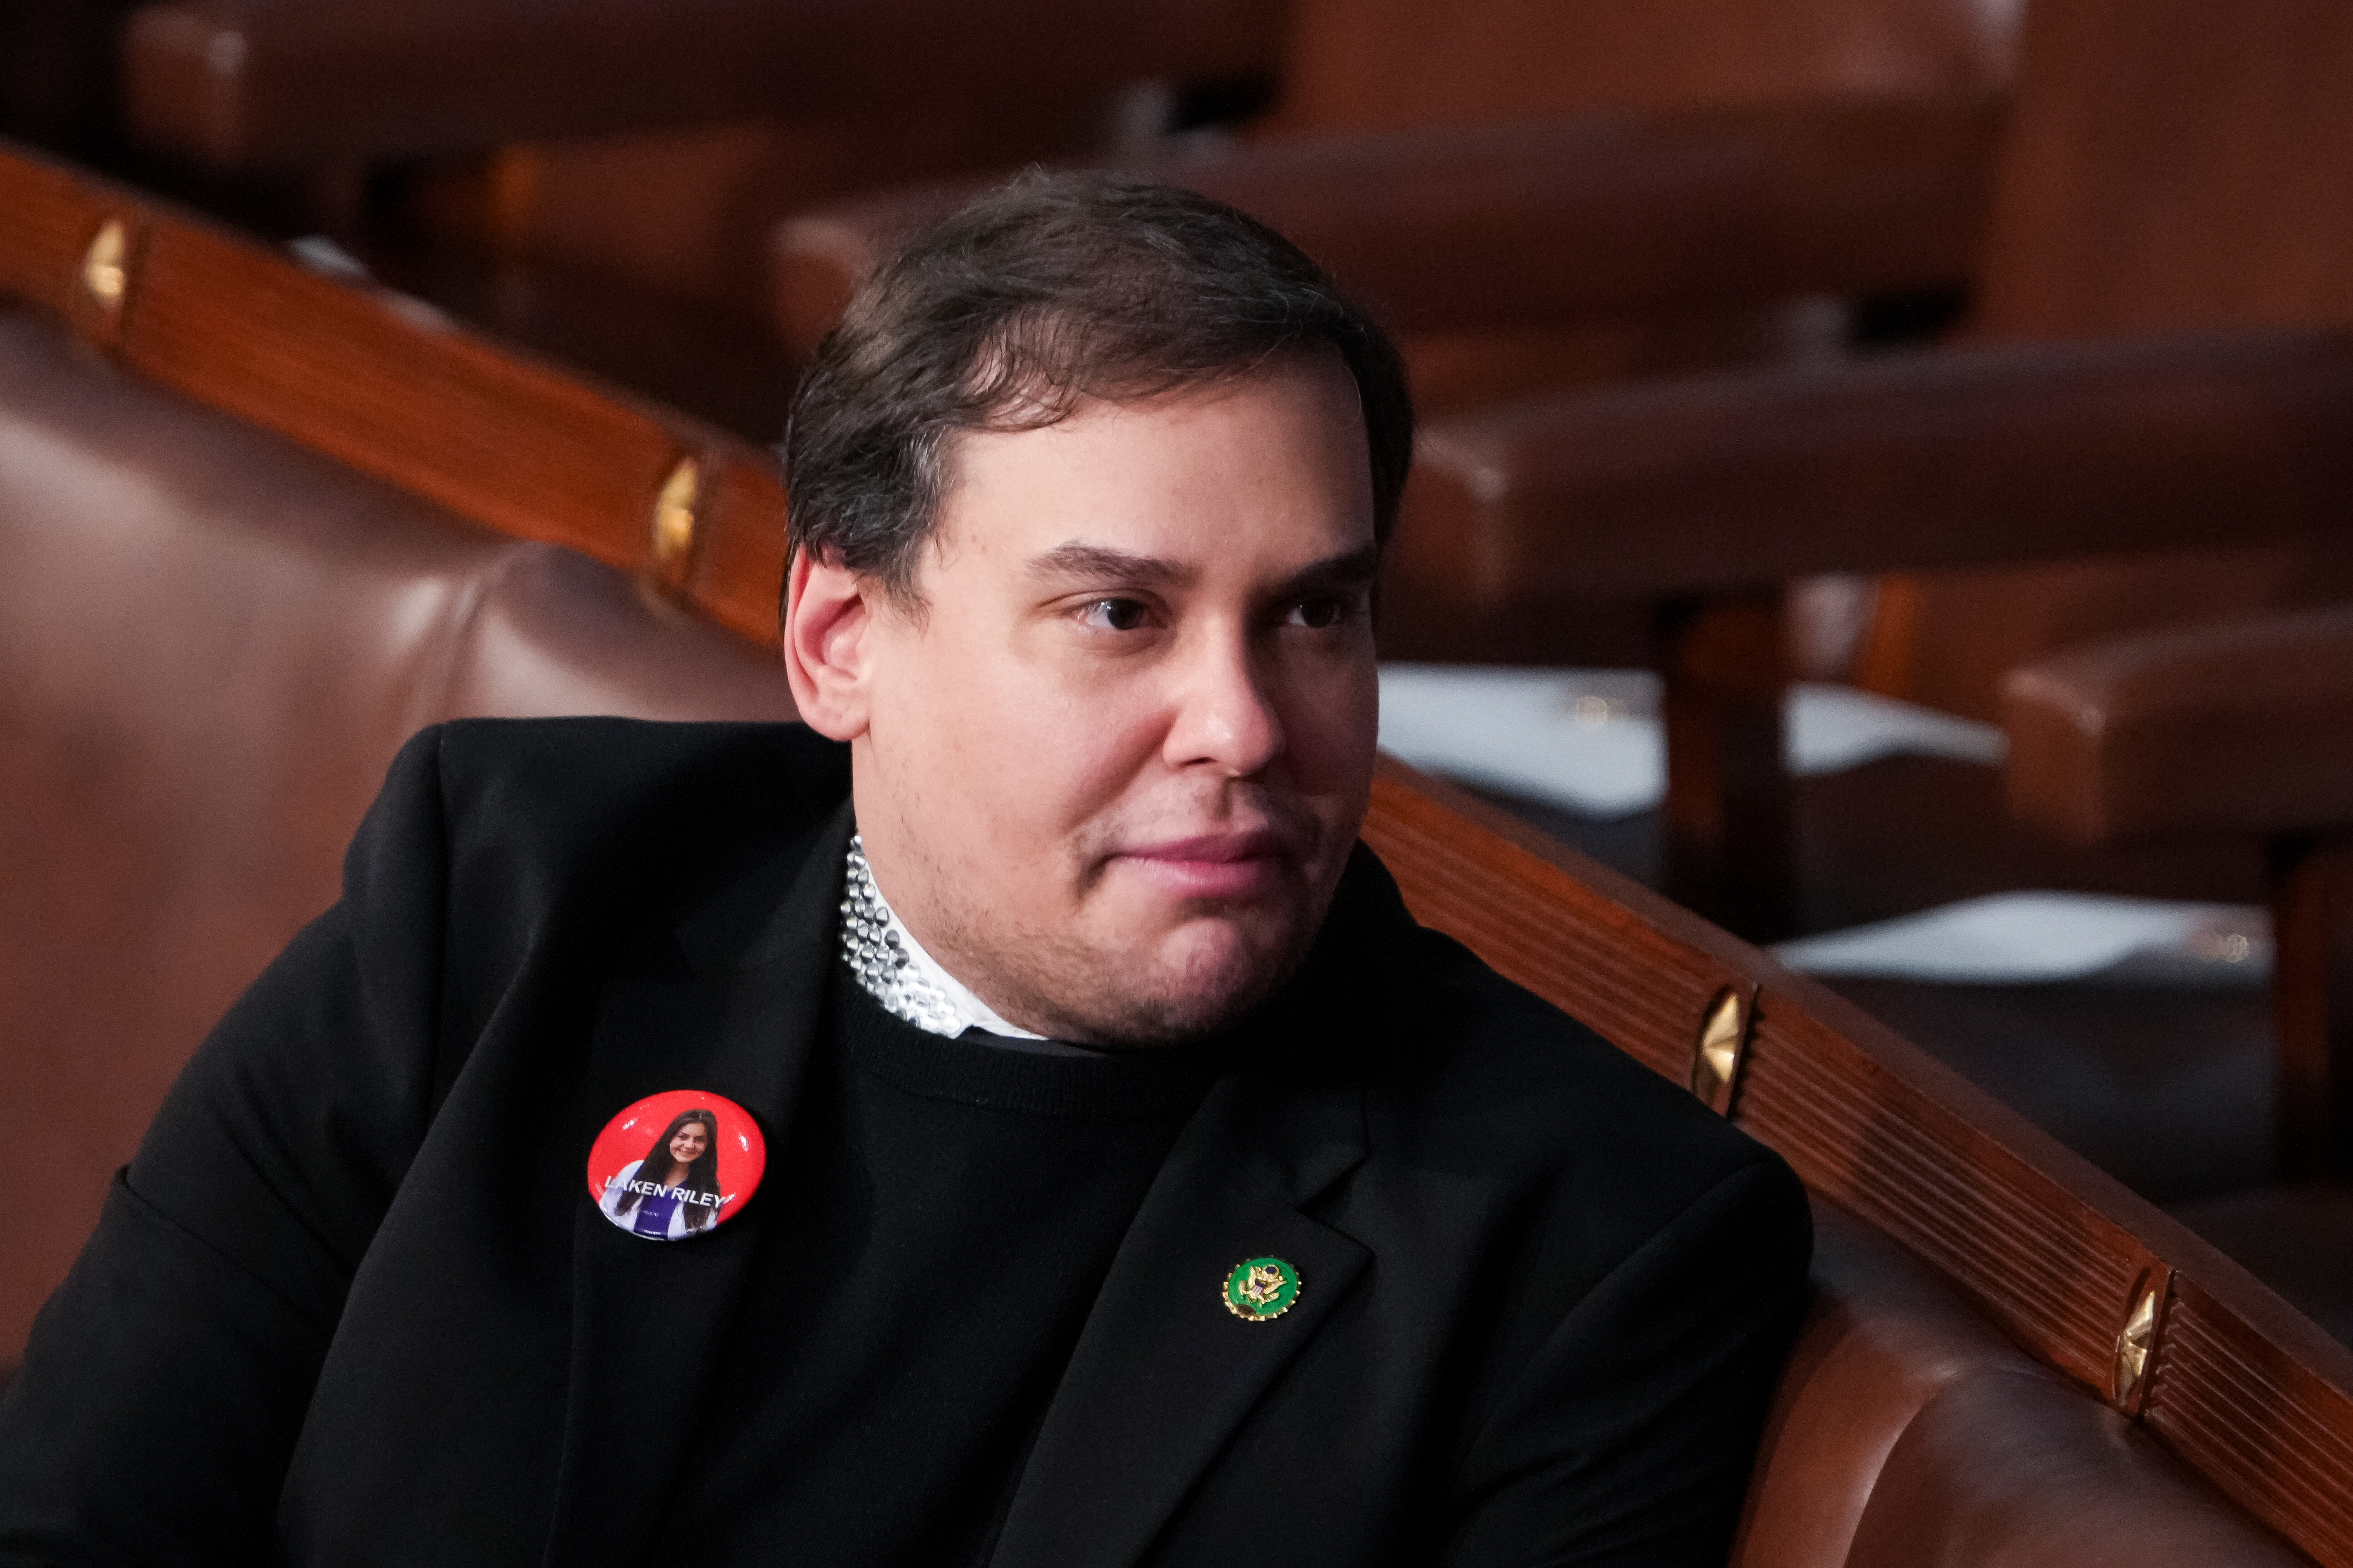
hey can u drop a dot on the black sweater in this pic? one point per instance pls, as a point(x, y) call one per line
point(354, 1304)
point(948, 1212)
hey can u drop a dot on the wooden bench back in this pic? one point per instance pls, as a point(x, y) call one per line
point(1357, 64)
point(2175, 166)
point(2172, 166)
point(309, 83)
point(385, 385)
point(2091, 1279)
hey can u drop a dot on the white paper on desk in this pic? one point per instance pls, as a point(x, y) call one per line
point(1589, 740)
point(2039, 937)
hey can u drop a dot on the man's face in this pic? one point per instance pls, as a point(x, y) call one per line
point(1111, 771)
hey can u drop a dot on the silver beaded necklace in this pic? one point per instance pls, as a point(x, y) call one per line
point(885, 970)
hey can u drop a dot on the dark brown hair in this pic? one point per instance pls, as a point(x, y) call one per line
point(702, 1179)
point(1048, 290)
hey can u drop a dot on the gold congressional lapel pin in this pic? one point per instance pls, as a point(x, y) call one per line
point(1261, 1288)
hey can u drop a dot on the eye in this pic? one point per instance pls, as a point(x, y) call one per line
point(1320, 614)
point(1114, 615)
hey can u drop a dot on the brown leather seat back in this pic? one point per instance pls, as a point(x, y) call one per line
point(1879, 1343)
point(1385, 64)
point(2177, 167)
point(2180, 167)
point(1364, 63)
point(1993, 1301)
point(211, 644)
point(2010, 1469)
point(1907, 1433)
point(553, 632)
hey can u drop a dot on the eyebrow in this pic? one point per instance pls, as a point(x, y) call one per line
point(1099, 564)
point(1356, 569)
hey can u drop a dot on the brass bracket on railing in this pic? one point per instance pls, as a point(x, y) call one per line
point(103, 281)
point(2138, 1339)
point(1722, 1049)
point(677, 522)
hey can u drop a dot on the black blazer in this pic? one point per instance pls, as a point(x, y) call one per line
point(352, 1304)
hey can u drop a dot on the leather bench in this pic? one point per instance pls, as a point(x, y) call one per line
point(2237, 730)
point(211, 644)
point(1907, 1434)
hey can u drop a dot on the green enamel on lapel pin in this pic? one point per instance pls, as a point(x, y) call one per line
point(1261, 1288)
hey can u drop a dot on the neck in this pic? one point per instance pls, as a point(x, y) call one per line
point(895, 968)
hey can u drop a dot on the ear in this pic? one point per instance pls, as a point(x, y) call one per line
point(826, 620)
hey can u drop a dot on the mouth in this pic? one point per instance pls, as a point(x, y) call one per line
point(1216, 864)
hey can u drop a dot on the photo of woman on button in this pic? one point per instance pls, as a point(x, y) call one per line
point(674, 1192)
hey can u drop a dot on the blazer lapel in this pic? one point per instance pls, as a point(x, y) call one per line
point(1164, 1372)
point(650, 1319)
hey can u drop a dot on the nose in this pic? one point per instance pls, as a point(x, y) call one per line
point(1225, 717)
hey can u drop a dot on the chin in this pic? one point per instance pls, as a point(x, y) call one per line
point(1202, 977)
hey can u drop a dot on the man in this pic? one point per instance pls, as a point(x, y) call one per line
point(1143, 1186)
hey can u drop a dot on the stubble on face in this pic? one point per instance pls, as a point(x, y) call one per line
point(1128, 835)
point(1064, 975)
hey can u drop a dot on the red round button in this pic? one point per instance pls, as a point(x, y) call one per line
point(675, 1164)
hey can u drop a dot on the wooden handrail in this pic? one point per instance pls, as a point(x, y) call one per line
point(1700, 498)
point(307, 83)
point(1597, 216)
point(387, 386)
point(1990, 454)
point(2237, 1383)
